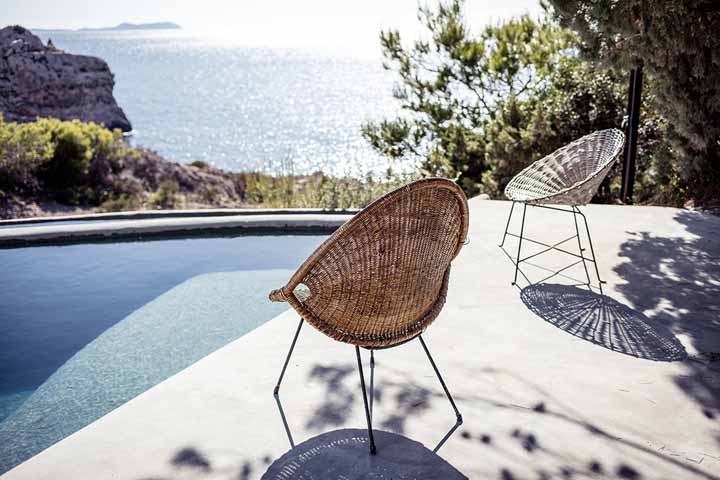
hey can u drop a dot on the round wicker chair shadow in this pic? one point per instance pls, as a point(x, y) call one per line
point(569, 176)
point(382, 277)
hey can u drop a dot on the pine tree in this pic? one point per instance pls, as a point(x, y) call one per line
point(678, 44)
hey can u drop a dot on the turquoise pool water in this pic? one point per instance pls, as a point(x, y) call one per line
point(85, 328)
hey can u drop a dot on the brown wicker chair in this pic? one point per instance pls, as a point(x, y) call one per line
point(382, 277)
point(569, 176)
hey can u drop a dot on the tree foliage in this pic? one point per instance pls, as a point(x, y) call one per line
point(58, 158)
point(480, 107)
point(451, 84)
point(678, 43)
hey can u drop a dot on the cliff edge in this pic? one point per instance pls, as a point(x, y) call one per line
point(42, 81)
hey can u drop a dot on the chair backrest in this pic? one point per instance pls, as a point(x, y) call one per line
point(382, 277)
point(571, 174)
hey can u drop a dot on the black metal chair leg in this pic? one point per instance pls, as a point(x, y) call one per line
point(458, 416)
point(276, 391)
point(580, 247)
point(507, 225)
point(284, 421)
point(522, 229)
point(592, 251)
point(287, 359)
point(373, 450)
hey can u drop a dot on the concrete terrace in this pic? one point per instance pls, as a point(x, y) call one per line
point(552, 381)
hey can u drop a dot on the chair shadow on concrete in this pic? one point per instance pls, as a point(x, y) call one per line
point(407, 398)
point(603, 321)
point(344, 454)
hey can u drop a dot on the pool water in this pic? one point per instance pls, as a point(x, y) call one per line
point(85, 328)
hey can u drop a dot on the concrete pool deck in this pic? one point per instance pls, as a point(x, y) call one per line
point(552, 381)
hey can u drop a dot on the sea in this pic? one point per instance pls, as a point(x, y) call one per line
point(244, 108)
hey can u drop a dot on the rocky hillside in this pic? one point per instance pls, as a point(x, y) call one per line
point(41, 81)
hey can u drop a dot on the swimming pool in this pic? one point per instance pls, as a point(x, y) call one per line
point(85, 328)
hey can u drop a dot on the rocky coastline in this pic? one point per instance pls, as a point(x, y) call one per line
point(62, 152)
point(41, 81)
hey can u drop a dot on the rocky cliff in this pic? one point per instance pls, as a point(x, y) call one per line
point(42, 81)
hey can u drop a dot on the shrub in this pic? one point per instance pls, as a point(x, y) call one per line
point(318, 190)
point(67, 161)
point(199, 164)
point(68, 167)
point(166, 196)
point(209, 193)
point(121, 203)
point(23, 148)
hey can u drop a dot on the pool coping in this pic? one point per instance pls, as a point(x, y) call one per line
point(185, 213)
point(193, 223)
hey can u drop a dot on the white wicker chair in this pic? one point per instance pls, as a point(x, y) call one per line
point(569, 176)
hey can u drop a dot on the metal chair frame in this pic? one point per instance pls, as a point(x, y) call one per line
point(381, 279)
point(575, 211)
point(570, 176)
point(368, 403)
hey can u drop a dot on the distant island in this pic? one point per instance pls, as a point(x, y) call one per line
point(122, 26)
point(140, 26)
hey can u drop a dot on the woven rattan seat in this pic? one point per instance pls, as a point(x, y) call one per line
point(382, 277)
point(569, 176)
point(572, 174)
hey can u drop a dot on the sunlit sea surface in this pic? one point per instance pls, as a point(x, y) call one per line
point(241, 108)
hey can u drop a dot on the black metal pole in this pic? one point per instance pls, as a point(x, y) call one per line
point(634, 101)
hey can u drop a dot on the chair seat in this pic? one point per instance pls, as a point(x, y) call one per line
point(571, 175)
point(526, 189)
point(382, 277)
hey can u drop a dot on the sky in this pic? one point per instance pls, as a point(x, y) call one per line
point(276, 23)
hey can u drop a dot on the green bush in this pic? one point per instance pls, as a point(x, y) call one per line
point(63, 160)
point(166, 196)
point(68, 168)
point(23, 149)
point(199, 164)
point(121, 203)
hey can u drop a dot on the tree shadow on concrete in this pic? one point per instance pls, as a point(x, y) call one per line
point(345, 454)
point(408, 399)
point(585, 449)
point(603, 321)
point(338, 399)
point(190, 462)
point(678, 280)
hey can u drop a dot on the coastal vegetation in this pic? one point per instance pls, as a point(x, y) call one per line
point(480, 107)
point(58, 166)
